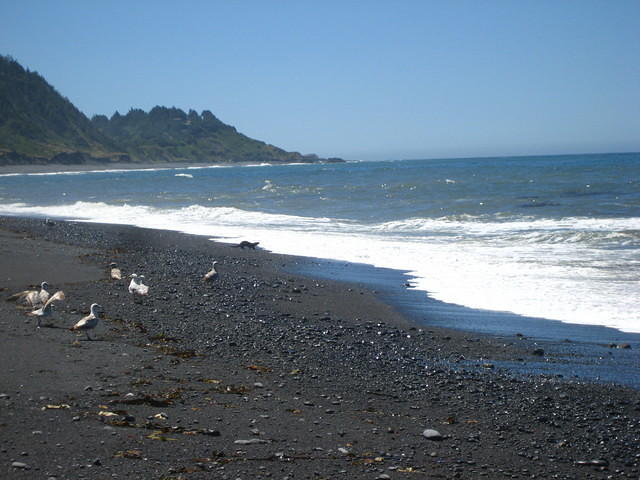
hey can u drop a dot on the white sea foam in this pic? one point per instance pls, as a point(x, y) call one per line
point(150, 169)
point(84, 172)
point(563, 269)
point(123, 170)
point(268, 186)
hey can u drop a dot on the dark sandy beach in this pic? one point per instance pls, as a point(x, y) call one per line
point(265, 374)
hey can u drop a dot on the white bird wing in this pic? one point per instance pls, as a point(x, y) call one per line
point(59, 295)
point(37, 313)
point(21, 295)
point(33, 298)
point(142, 289)
point(86, 323)
point(80, 323)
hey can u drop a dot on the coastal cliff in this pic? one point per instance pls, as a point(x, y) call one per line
point(40, 126)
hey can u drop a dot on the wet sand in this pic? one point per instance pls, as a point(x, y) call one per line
point(268, 374)
point(585, 352)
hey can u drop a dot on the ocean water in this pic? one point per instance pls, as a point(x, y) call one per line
point(550, 237)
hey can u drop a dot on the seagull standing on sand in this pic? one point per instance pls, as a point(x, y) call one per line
point(136, 286)
point(47, 309)
point(89, 322)
point(116, 274)
point(32, 298)
point(212, 274)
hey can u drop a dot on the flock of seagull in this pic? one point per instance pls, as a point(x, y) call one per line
point(42, 302)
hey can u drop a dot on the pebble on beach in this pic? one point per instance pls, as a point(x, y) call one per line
point(431, 434)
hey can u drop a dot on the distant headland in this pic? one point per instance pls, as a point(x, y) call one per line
point(38, 126)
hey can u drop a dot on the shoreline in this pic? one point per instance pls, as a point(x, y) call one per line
point(581, 351)
point(270, 374)
point(60, 168)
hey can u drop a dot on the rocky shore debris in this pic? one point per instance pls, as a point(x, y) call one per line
point(598, 462)
point(251, 441)
point(431, 434)
point(246, 244)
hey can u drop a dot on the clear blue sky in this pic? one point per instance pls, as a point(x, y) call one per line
point(358, 79)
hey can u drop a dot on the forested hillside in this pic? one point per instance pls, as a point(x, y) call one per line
point(36, 121)
point(170, 134)
point(38, 125)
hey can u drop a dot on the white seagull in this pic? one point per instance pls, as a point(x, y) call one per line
point(32, 298)
point(47, 309)
point(212, 274)
point(89, 322)
point(136, 286)
point(116, 273)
